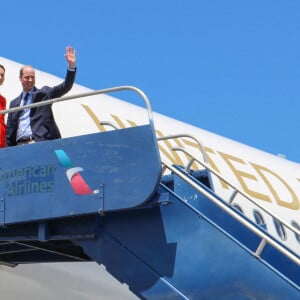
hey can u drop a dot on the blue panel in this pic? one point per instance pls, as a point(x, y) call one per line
point(80, 175)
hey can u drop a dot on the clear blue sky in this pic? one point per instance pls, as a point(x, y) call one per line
point(231, 67)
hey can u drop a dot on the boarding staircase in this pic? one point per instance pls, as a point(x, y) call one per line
point(160, 228)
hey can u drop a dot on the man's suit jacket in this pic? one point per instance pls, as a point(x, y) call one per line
point(42, 121)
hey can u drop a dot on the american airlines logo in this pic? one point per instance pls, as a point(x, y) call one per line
point(79, 185)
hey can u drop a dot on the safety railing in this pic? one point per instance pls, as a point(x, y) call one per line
point(88, 94)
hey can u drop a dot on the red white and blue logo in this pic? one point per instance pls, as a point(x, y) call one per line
point(77, 182)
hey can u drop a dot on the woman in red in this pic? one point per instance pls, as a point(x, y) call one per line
point(2, 107)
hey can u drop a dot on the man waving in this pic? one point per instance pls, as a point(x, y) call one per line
point(37, 124)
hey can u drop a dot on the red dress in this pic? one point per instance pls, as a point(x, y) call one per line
point(2, 123)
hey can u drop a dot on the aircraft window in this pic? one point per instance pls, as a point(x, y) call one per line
point(280, 229)
point(297, 226)
point(237, 207)
point(259, 219)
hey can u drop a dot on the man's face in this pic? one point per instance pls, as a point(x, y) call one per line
point(28, 78)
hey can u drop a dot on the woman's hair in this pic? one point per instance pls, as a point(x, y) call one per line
point(2, 67)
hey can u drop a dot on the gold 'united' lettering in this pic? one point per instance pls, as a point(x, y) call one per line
point(119, 121)
point(94, 118)
point(264, 172)
point(242, 176)
point(214, 166)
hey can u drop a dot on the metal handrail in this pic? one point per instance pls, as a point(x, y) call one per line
point(239, 191)
point(188, 136)
point(265, 237)
point(87, 94)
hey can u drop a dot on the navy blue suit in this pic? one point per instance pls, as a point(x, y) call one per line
point(42, 121)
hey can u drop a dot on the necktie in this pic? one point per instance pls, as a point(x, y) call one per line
point(25, 100)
